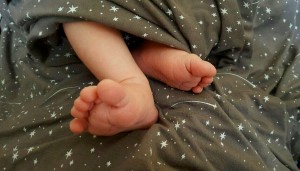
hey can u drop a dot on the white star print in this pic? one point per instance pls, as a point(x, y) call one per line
point(72, 9)
point(32, 133)
point(115, 19)
point(222, 136)
point(207, 123)
point(266, 77)
point(15, 156)
point(261, 14)
point(35, 161)
point(60, 9)
point(53, 115)
point(69, 154)
point(182, 156)
point(268, 10)
point(177, 126)
point(29, 150)
point(169, 12)
point(246, 5)
point(15, 148)
point(229, 29)
point(266, 98)
point(68, 55)
point(114, 9)
point(137, 17)
point(224, 11)
point(145, 35)
point(31, 95)
point(240, 127)
point(163, 144)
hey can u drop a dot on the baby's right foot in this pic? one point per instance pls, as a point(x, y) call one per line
point(177, 68)
point(111, 107)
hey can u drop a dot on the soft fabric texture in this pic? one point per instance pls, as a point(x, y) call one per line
point(248, 119)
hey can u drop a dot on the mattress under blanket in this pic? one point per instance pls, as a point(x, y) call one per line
point(248, 119)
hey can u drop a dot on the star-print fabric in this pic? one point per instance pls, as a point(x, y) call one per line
point(248, 119)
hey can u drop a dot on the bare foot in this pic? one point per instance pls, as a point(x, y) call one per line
point(111, 107)
point(174, 67)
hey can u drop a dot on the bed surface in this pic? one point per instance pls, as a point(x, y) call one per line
point(248, 119)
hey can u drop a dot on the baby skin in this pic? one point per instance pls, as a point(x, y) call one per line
point(123, 101)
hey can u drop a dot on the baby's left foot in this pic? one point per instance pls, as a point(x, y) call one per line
point(174, 67)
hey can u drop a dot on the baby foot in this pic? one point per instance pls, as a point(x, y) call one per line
point(111, 107)
point(174, 67)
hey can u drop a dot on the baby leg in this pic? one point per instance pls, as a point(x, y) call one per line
point(122, 101)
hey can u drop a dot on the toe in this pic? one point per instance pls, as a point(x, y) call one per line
point(201, 68)
point(207, 80)
point(78, 114)
point(197, 89)
point(82, 105)
point(89, 94)
point(111, 92)
point(78, 126)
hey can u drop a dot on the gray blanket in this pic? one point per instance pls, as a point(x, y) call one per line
point(248, 119)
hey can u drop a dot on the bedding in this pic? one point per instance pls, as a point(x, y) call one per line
point(248, 119)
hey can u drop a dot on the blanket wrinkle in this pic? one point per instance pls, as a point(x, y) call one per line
point(248, 119)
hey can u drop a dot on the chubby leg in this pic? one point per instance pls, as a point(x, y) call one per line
point(174, 67)
point(112, 107)
point(123, 100)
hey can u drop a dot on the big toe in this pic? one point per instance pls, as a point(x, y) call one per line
point(111, 92)
point(201, 68)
